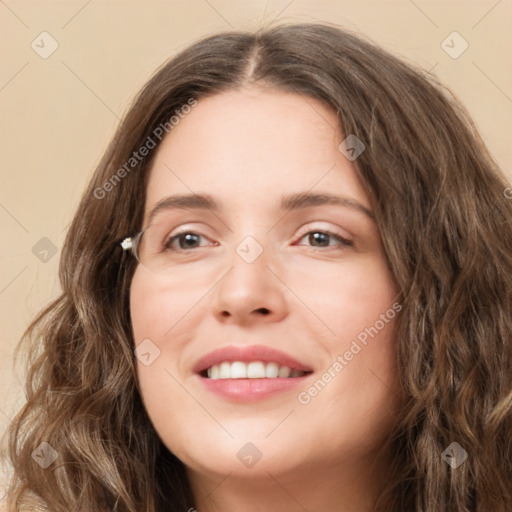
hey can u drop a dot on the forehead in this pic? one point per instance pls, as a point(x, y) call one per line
point(248, 147)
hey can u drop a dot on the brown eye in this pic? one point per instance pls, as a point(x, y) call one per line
point(320, 239)
point(186, 240)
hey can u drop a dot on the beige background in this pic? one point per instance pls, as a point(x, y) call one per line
point(58, 113)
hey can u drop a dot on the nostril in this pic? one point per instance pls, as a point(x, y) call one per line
point(263, 311)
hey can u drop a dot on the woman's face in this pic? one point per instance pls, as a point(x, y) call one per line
point(274, 265)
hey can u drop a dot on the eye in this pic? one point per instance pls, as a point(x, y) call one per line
point(322, 238)
point(185, 241)
point(188, 240)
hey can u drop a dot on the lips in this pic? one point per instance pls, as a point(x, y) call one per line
point(248, 354)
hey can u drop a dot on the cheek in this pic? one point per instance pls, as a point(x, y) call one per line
point(357, 305)
point(147, 308)
point(346, 298)
point(155, 313)
point(156, 310)
point(159, 308)
point(357, 392)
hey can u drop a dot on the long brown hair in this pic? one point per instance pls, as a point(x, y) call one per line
point(444, 215)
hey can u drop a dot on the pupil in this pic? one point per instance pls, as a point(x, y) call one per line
point(189, 237)
point(323, 238)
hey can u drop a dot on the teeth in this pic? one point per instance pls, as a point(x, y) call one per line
point(284, 371)
point(225, 370)
point(238, 370)
point(255, 370)
point(252, 370)
point(272, 370)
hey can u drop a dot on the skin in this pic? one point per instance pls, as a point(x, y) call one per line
point(246, 148)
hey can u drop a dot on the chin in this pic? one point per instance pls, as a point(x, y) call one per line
point(241, 455)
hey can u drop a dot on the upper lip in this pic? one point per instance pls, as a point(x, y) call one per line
point(262, 353)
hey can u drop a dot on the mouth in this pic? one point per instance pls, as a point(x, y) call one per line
point(244, 374)
point(249, 362)
point(251, 370)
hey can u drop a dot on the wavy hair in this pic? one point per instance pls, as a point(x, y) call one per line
point(444, 212)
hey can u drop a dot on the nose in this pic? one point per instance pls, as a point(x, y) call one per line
point(250, 293)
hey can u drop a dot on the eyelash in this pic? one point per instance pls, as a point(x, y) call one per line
point(172, 239)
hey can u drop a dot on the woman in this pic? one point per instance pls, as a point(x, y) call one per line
point(287, 287)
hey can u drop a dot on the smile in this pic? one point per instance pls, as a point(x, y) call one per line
point(251, 370)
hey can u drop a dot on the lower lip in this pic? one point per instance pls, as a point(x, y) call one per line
point(249, 390)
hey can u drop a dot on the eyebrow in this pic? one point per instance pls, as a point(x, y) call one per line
point(294, 201)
